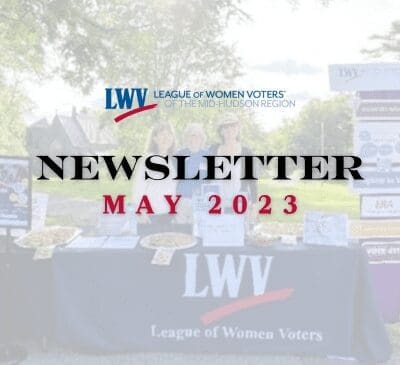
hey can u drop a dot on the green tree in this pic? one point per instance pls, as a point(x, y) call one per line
point(12, 128)
point(155, 43)
point(321, 124)
point(387, 43)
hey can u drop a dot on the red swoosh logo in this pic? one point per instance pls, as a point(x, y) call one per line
point(245, 303)
point(127, 114)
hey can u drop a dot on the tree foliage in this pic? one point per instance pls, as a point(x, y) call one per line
point(150, 43)
point(154, 43)
point(12, 135)
point(303, 134)
point(387, 43)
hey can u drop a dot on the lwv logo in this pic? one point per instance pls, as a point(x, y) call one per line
point(226, 275)
point(123, 98)
point(225, 278)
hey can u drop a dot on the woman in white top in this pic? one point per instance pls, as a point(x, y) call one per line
point(162, 143)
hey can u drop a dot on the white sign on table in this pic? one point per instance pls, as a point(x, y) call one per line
point(82, 242)
point(326, 229)
point(226, 230)
point(121, 242)
point(39, 210)
point(380, 206)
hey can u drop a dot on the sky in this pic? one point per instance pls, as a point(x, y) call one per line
point(281, 47)
point(291, 49)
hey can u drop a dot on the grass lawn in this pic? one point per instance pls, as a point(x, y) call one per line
point(89, 190)
point(327, 197)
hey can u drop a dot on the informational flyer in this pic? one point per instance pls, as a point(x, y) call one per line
point(377, 140)
point(15, 192)
point(212, 182)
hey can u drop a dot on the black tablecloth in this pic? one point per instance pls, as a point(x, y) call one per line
point(26, 296)
point(317, 301)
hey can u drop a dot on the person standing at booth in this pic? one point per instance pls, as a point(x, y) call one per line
point(162, 142)
point(231, 145)
point(193, 141)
